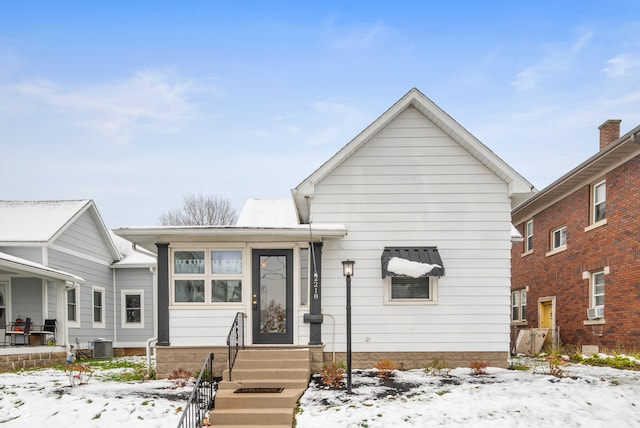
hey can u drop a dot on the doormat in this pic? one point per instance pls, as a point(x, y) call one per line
point(258, 390)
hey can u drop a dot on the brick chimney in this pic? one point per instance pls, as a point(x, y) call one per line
point(609, 132)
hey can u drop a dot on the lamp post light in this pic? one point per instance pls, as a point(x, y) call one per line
point(347, 271)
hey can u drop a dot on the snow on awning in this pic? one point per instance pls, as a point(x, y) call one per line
point(414, 262)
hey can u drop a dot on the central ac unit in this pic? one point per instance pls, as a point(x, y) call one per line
point(595, 313)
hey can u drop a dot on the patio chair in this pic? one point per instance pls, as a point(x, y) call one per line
point(50, 327)
point(18, 329)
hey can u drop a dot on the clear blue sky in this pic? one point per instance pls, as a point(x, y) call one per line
point(136, 103)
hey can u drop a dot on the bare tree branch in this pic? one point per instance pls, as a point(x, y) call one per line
point(200, 210)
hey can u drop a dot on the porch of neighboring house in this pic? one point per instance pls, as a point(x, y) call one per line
point(29, 357)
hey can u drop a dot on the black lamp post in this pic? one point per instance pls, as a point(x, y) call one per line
point(347, 271)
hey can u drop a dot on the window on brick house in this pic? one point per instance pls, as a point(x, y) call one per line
point(599, 198)
point(597, 289)
point(519, 305)
point(528, 232)
point(559, 238)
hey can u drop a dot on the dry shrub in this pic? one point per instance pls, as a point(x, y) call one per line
point(386, 368)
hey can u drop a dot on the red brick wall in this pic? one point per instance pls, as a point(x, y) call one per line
point(616, 245)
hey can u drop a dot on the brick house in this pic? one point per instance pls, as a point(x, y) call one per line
point(577, 270)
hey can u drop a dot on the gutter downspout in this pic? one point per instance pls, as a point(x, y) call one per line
point(148, 351)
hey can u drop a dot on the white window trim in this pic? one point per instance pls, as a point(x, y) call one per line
point(76, 323)
point(520, 320)
point(592, 288)
point(433, 292)
point(123, 309)
point(101, 324)
point(528, 250)
point(561, 248)
point(593, 202)
point(208, 277)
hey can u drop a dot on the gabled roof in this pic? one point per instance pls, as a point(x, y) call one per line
point(27, 223)
point(519, 187)
point(613, 155)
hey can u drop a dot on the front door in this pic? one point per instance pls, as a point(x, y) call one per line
point(272, 296)
point(545, 320)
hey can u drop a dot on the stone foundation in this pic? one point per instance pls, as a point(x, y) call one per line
point(419, 360)
point(31, 361)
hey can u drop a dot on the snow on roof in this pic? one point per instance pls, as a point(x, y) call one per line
point(129, 255)
point(9, 261)
point(35, 221)
point(268, 213)
point(410, 268)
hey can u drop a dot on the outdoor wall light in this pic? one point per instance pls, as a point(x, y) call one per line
point(347, 270)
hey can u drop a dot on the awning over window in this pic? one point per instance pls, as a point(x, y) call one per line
point(413, 262)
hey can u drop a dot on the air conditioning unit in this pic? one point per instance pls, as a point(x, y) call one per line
point(595, 313)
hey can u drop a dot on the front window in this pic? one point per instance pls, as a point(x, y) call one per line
point(597, 289)
point(559, 238)
point(98, 306)
point(599, 197)
point(207, 276)
point(406, 289)
point(132, 308)
point(519, 305)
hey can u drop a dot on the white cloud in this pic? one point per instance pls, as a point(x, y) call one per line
point(357, 38)
point(621, 65)
point(557, 59)
point(150, 100)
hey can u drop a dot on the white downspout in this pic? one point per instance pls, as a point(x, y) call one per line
point(115, 309)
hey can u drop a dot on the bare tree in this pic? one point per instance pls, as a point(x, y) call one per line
point(200, 210)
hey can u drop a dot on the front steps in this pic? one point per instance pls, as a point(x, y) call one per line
point(262, 368)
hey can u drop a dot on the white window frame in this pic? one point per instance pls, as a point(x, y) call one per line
point(519, 304)
point(123, 308)
point(595, 203)
point(433, 293)
point(208, 276)
point(528, 238)
point(73, 323)
point(593, 295)
point(102, 323)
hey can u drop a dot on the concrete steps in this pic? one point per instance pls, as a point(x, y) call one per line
point(262, 368)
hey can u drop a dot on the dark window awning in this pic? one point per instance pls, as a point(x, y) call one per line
point(414, 262)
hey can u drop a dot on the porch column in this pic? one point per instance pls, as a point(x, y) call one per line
point(62, 329)
point(314, 317)
point(163, 295)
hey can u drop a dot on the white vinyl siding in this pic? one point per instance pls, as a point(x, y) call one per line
point(411, 185)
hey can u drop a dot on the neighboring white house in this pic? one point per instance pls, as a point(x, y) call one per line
point(59, 262)
point(420, 205)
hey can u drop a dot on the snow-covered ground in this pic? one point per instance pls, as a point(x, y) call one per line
point(46, 396)
point(584, 396)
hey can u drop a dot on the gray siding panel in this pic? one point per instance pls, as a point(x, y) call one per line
point(84, 236)
point(26, 299)
point(134, 279)
point(28, 253)
point(94, 274)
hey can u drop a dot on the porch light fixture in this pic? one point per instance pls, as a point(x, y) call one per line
point(347, 271)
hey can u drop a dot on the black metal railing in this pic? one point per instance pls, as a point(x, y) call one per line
point(202, 398)
point(235, 339)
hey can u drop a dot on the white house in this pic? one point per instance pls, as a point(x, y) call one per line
point(420, 205)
